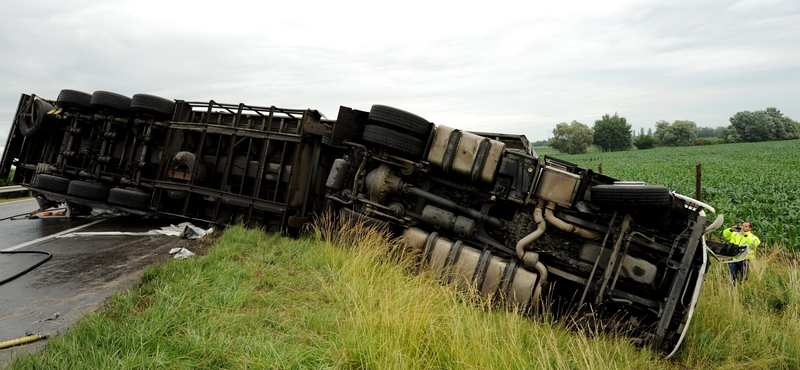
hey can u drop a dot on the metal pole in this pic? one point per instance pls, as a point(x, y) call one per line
point(697, 183)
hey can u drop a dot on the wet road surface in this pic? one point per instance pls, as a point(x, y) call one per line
point(81, 274)
point(19, 230)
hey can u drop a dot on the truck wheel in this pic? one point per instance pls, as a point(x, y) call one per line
point(152, 105)
point(129, 198)
point(401, 120)
point(52, 183)
point(393, 140)
point(87, 190)
point(69, 99)
point(112, 101)
point(631, 195)
point(38, 118)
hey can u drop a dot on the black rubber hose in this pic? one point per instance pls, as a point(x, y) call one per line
point(37, 264)
point(10, 217)
point(29, 215)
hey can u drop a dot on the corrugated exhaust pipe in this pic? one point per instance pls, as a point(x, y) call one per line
point(532, 258)
point(569, 228)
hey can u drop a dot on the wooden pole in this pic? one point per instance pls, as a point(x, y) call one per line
point(697, 183)
point(600, 168)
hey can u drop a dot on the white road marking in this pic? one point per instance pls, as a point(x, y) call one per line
point(23, 245)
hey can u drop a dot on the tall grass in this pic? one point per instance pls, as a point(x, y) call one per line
point(754, 325)
point(345, 298)
point(265, 301)
point(403, 320)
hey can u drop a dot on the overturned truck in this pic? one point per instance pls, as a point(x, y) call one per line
point(481, 209)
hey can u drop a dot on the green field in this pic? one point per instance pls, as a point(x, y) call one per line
point(755, 182)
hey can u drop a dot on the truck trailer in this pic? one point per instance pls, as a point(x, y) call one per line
point(482, 210)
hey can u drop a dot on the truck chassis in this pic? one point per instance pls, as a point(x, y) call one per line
point(482, 210)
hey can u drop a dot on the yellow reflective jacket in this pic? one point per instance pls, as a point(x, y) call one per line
point(741, 238)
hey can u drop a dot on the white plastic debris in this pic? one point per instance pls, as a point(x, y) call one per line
point(183, 230)
point(181, 253)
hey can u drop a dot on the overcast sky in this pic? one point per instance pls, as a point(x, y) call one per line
point(516, 67)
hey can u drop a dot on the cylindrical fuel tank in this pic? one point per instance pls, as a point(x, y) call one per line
point(338, 174)
point(470, 268)
point(465, 153)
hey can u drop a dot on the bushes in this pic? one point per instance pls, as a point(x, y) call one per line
point(706, 141)
point(645, 142)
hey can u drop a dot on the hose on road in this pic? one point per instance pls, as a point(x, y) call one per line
point(37, 264)
point(32, 215)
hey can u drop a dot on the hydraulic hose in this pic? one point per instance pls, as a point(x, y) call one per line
point(11, 217)
point(37, 264)
point(30, 214)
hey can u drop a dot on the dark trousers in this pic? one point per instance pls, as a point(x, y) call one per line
point(738, 271)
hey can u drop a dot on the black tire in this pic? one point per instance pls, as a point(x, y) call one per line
point(56, 184)
point(152, 105)
point(393, 140)
point(401, 120)
point(631, 195)
point(111, 101)
point(73, 99)
point(129, 198)
point(87, 190)
point(36, 119)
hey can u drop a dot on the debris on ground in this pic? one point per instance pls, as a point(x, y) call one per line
point(183, 230)
point(181, 253)
point(52, 317)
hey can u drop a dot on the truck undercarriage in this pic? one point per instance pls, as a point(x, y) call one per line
point(482, 210)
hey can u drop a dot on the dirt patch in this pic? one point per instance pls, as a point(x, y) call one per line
point(201, 246)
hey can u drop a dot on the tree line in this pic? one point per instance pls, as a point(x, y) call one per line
point(613, 133)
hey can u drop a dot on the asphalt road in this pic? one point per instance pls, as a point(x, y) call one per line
point(81, 274)
point(19, 230)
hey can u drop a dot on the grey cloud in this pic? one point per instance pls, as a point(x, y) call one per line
point(651, 61)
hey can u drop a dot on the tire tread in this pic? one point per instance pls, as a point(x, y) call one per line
point(393, 140)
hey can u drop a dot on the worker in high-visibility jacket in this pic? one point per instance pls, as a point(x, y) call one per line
point(741, 236)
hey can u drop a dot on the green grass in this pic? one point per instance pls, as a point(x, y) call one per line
point(756, 182)
point(755, 325)
point(8, 197)
point(336, 300)
point(6, 200)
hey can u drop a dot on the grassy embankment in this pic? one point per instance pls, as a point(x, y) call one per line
point(264, 301)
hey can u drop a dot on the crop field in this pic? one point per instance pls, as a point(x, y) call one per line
point(757, 182)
